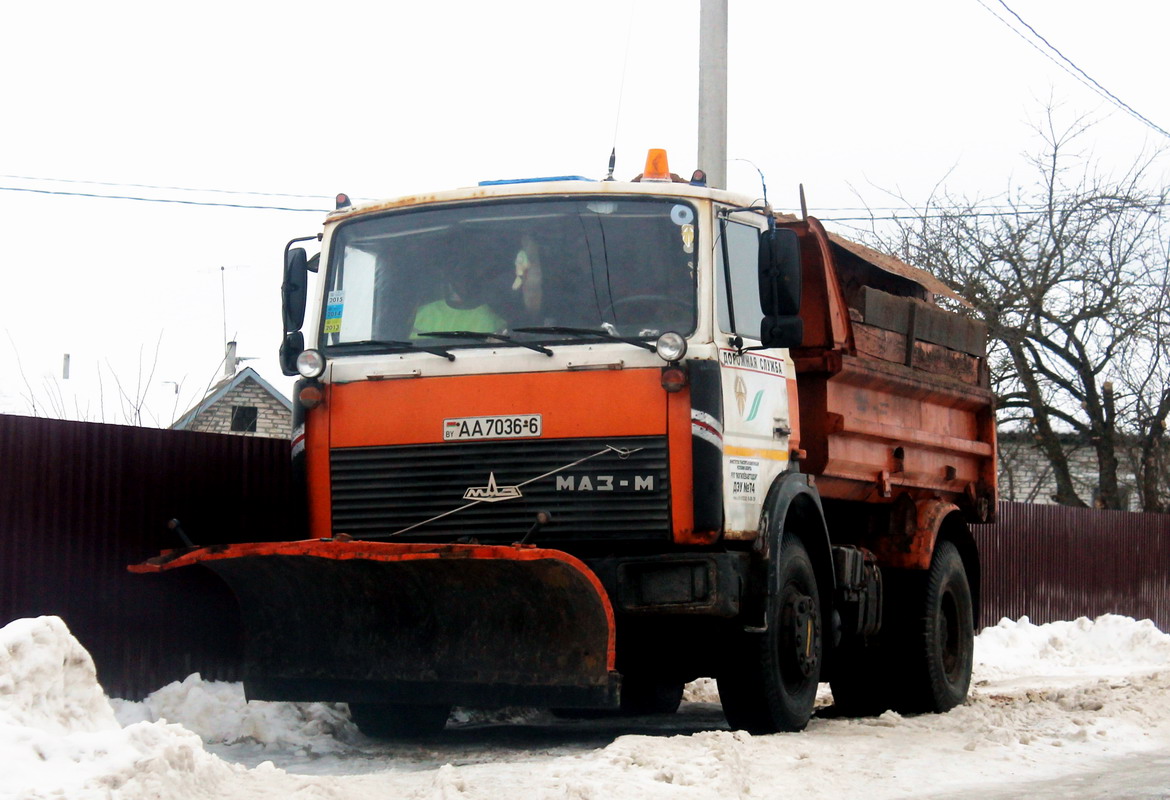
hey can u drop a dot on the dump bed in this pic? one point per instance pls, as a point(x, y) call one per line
point(894, 394)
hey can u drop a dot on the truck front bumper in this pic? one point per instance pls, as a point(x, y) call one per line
point(701, 584)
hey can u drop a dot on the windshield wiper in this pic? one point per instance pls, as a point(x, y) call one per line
point(437, 351)
point(495, 337)
point(594, 332)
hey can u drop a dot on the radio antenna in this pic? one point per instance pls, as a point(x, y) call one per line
point(223, 300)
point(617, 117)
point(763, 183)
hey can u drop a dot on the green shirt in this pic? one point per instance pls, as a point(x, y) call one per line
point(438, 316)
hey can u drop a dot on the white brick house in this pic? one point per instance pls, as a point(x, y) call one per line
point(244, 405)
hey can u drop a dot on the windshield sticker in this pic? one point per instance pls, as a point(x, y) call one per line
point(682, 215)
point(688, 238)
point(333, 308)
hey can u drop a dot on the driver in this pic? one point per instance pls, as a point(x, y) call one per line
point(462, 307)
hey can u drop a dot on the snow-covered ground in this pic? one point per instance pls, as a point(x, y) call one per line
point(1069, 709)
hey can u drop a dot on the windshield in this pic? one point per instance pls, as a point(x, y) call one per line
point(529, 270)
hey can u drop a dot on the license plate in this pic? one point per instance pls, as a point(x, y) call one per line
point(505, 426)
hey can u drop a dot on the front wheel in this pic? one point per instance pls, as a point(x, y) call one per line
point(770, 681)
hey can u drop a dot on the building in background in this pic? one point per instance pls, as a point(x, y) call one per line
point(1025, 473)
point(244, 404)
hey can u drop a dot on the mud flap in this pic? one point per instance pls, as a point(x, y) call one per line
point(415, 623)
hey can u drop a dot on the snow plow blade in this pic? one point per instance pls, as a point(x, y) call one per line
point(476, 625)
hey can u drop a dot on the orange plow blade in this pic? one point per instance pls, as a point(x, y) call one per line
point(474, 625)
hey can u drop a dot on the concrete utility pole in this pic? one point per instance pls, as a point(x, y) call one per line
point(713, 91)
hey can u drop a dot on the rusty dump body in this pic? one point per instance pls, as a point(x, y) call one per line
point(761, 496)
point(897, 419)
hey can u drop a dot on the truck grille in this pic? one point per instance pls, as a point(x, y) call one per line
point(380, 490)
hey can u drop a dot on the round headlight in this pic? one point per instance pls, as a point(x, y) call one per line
point(671, 346)
point(311, 364)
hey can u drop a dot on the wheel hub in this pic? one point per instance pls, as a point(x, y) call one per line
point(799, 619)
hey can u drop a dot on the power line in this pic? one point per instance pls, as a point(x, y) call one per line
point(1033, 45)
point(161, 200)
point(1080, 75)
point(1069, 61)
point(972, 212)
point(165, 188)
point(913, 215)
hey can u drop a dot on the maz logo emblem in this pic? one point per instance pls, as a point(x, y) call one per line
point(492, 493)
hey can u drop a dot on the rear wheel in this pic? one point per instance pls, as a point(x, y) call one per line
point(770, 682)
point(922, 660)
point(941, 641)
point(397, 721)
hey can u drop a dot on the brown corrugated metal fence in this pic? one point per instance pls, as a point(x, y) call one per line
point(80, 501)
point(1055, 562)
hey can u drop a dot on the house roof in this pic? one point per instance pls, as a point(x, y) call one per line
point(221, 389)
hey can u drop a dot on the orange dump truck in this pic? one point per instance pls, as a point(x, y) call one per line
point(571, 444)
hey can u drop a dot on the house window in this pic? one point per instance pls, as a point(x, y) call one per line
point(244, 419)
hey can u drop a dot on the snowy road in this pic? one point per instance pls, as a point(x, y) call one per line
point(514, 753)
point(1075, 709)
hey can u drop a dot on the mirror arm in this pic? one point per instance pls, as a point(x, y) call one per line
point(315, 237)
point(736, 341)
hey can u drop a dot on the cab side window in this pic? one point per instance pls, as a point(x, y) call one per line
point(743, 252)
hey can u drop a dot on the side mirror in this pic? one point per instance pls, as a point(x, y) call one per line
point(779, 273)
point(787, 331)
point(294, 292)
point(291, 347)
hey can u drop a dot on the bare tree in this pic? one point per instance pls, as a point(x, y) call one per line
point(1070, 277)
point(1144, 373)
point(130, 409)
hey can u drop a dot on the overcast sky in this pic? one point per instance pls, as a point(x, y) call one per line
point(379, 99)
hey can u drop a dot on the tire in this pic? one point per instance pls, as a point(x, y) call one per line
point(645, 695)
point(941, 637)
point(396, 721)
point(770, 682)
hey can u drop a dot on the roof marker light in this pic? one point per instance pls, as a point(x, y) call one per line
point(343, 201)
point(552, 179)
point(656, 167)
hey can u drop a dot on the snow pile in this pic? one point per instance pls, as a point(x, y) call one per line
point(48, 680)
point(218, 712)
point(713, 760)
point(703, 690)
point(1066, 648)
point(58, 733)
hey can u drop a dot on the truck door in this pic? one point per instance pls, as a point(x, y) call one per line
point(756, 383)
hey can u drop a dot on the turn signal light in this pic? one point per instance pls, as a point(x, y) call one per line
point(656, 167)
point(674, 379)
point(310, 396)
